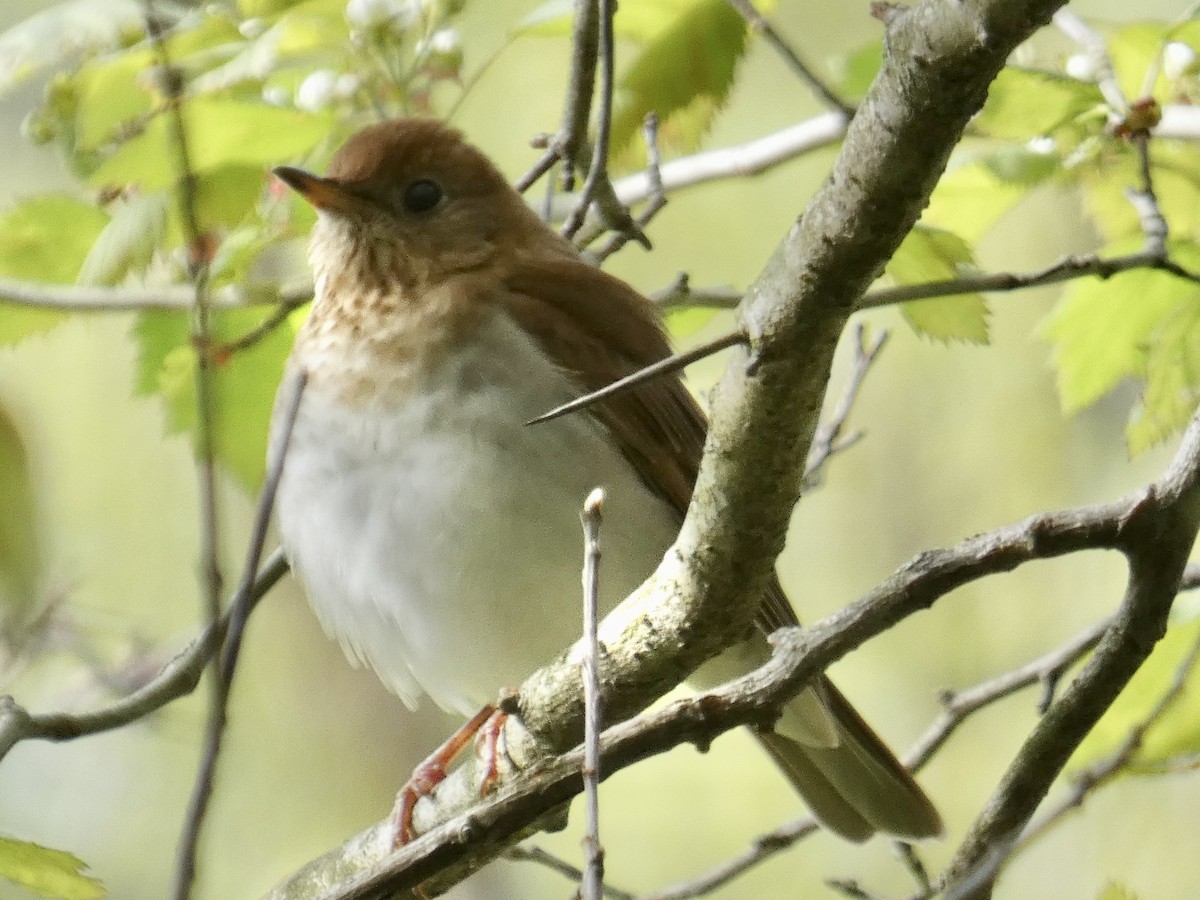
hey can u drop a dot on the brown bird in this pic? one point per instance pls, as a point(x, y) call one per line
point(436, 534)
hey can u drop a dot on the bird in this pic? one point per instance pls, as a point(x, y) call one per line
point(436, 535)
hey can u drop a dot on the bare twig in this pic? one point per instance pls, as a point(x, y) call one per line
point(88, 298)
point(761, 25)
point(828, 440)
point(569, 142)
point(1144, 201)
point(178, 678)
point(276, 318)
point(239, 613)
point(957, 706)
point(593, 722)
point(1064, 270)
point(1094, 778)
point(763, 847)
point(1156, 537)
point(526, 853)
point(658, 198)
point(597, 186)
point(672, 363)
point(198, 259)
point(681, 295)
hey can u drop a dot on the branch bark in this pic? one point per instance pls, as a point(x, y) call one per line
point(941, 58)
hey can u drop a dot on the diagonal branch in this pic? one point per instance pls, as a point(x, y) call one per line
point(941, 59)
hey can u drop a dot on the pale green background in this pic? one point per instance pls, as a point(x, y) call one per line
point(959, 440)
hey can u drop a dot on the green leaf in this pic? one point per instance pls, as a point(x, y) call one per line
point(686, 321)
point(933, 254)
point(1133, 49)
point(244, 383)
point(971, 198)
point(43, 240)
point(111, 92)
point(1176, 185)
point(856, 71)
point(220, 133)
point(1172, 376)
point(20, 558)
point(1103, 330)
point(686, 68)
point(1024, 103)
point(46, 872)
point(128, 241)
point(1175, 733)
point(49, 38)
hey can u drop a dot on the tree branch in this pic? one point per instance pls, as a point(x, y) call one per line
point(941, 59)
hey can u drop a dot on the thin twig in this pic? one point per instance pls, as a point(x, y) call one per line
point(178, 678)
point(763, 847)
point(276, 318)
point(657, 201)
point(1064, 270)
point(828, 440)
point(957, 706)
point(1145, 202)
point(593, 722)
point(526, 853)
point(681, 295)
point(572, 134)
point(90, 298)
point(761, 25)
point(597, 186)
point(672, 363)
point(1089, 781)
point(916, 867)
point(198, 255)
point(239, 613)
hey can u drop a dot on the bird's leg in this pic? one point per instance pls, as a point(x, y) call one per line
point(430, 773)
point(487, 748)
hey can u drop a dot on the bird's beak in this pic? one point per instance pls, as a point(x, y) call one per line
point(323, 193)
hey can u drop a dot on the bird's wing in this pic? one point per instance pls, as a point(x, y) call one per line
point(608, 330)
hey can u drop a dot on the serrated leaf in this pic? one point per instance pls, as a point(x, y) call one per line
point(128, 241)
point(1176, 733)
point(686, 66)
point(50, 37)
point(970, 199)
point(20, 560)
point(244, 383)
point(933, 254)
point(43, 240)
point(1102, 329)
point(220, 133)
point(47, 872)
point(1026, 103)
point(225, 196)
point(1172, 379)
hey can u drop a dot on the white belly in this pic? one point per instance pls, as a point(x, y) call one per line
point(439, 539)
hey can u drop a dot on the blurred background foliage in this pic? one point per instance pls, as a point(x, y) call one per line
point(964, 420)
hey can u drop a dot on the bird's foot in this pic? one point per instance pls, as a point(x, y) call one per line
point(432, 772)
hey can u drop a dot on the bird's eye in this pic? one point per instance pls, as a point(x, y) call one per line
point(421, 196)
